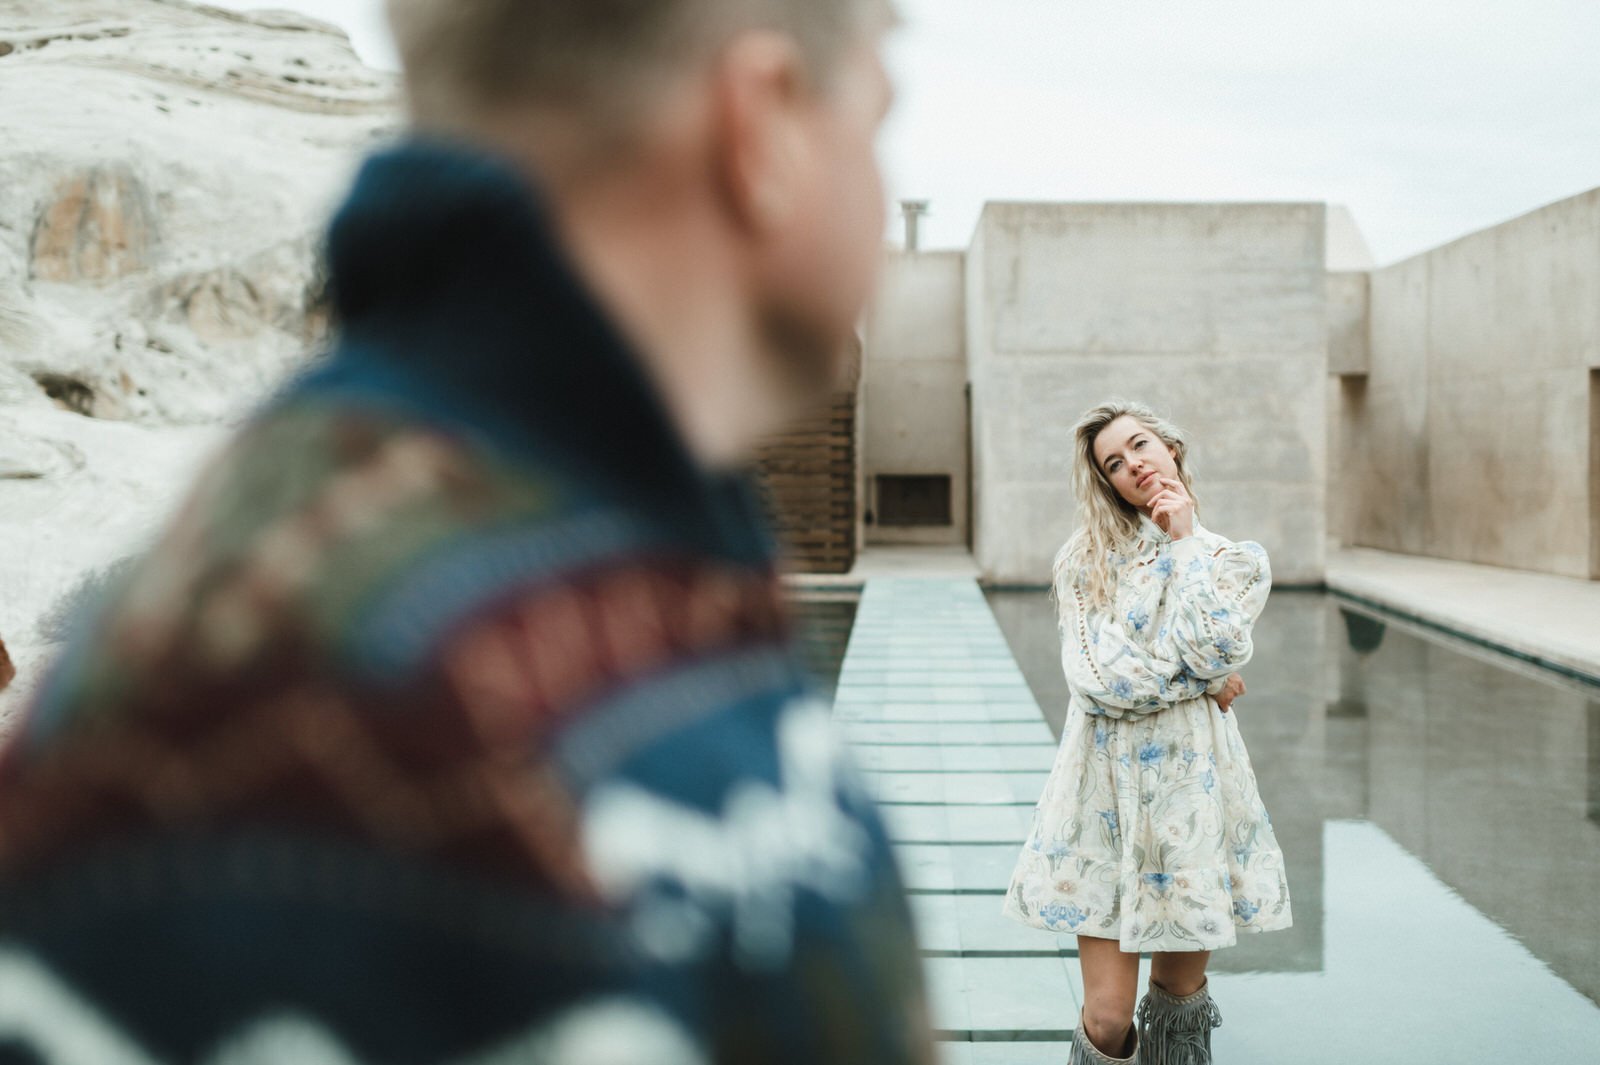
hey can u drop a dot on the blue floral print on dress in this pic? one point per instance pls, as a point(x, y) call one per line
point(1056, 914)
point(1142, 737)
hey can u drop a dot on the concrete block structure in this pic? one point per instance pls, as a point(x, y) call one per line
point(915, 387)
point(1445, 406)
point(1473, 432)
point(1212, 313)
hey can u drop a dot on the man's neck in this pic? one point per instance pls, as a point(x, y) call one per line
point(672, 289)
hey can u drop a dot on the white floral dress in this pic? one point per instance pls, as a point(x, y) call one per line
point(1150, 830)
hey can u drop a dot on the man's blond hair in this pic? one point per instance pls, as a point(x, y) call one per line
point(596, 59)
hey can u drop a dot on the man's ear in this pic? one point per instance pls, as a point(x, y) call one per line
point(759, 98)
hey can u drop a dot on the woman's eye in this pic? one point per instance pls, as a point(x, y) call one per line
point(1139, 445)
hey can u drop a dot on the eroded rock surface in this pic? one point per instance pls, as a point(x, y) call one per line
point(166, 175)
point(98, 228)
point(169, 170)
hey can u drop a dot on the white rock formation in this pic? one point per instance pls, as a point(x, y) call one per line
point(166, 174)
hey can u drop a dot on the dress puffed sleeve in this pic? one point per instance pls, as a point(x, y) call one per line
point(1111, 671)
point(1218, 591)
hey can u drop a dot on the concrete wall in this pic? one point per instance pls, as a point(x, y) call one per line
point(1214, 313)
point(1349, 323)
point(1483, 796)
point(914, 393)
point(1346, 246)
point(1470, 438)
point(1349, 359)
point(1594, 473)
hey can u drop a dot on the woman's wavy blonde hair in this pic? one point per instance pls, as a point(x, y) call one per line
point(1107, 522)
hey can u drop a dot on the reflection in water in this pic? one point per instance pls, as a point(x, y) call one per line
point(1414, 974)
point(1363, 632)
point(1485, 771)
point(1028, 620)
point(824, 625)
point(1594, 761)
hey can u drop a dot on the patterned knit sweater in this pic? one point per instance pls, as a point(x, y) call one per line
point(455, 717)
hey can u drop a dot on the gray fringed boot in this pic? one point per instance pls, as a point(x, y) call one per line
point(1177, 1031)
point(1084, 1052)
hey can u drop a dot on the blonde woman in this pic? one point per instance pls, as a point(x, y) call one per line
point(1150, 836)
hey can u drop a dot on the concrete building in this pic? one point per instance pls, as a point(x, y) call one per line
point(978, 363)
point(1447, 405)
point(1213, 314)
point(915, 442)
point(1468, 424)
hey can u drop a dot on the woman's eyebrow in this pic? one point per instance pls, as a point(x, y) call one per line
point(1134, 439)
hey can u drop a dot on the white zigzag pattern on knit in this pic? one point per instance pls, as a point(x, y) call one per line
point(39, 1011)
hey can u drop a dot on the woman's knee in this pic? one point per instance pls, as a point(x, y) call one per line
point(1180, 975)
point(1107, 1022)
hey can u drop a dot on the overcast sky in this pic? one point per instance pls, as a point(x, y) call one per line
point(1428, 119)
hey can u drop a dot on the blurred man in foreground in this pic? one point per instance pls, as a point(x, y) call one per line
point(456, 717)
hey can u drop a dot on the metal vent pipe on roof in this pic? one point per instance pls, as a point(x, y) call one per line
point(913, 210)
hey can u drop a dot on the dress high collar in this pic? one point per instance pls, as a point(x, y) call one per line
point(1151, 531)
point(1154, 533)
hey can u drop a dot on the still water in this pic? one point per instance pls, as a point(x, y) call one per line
point(1439, 810)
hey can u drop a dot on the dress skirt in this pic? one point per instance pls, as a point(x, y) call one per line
point(1151, 832)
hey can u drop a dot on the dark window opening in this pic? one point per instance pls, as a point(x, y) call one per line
point(913, 500)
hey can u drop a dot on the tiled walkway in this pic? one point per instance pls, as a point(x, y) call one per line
point(956, 750)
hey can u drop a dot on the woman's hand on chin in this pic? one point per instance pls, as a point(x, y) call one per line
point(1172, 509)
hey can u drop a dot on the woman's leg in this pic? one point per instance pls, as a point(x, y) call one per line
point(1180, 973)
point(1177, 1014)
point(1110, 986)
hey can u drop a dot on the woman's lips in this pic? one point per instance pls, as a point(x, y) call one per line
point(1144, 482)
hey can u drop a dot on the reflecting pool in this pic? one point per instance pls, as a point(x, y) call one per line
point(1438, 805)
point(824, 621)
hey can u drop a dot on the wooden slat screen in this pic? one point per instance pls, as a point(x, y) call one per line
point(808, 478)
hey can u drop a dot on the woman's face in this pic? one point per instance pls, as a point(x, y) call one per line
point(1134, 460)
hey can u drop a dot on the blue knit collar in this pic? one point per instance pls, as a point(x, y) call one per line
point(447, 276)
